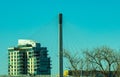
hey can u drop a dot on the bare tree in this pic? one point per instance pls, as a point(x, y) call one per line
point(103, 58)
point(75, 63)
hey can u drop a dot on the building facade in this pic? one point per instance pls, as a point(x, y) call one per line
point(28, 58)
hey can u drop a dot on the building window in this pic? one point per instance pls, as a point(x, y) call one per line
point(11, 59)
point(11, 56)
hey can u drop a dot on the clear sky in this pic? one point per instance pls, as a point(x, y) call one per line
point(86, 23)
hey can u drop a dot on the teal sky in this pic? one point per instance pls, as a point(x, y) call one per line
point(86, 24)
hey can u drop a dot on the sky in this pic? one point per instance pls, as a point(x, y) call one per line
point(86, 24)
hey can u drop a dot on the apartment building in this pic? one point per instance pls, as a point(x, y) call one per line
point(28, 58)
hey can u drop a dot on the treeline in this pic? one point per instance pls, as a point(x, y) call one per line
point(103, 59)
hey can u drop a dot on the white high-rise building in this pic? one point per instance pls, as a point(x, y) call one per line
point(28, 58)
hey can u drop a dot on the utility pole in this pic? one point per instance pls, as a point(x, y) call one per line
point(60, 47)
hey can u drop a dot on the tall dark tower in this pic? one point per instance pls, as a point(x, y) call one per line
point(60, 47)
